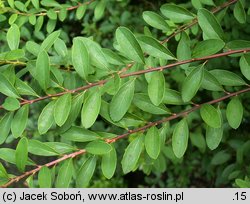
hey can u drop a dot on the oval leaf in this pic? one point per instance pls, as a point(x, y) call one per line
point(209, 24)
point(108, 165)
point(11, 104)
point(98, 147)
point(65, 174)
point(207, 47)
point(172, 97)
point(234, 112)
point(7, 88)
point(91, 108)
point(19, 121)
point(154, 48)
point(86, 172)
point(46, 118)
point(121, 101)
point(39, 148)
point(78, 134)
point(80, 58)
point(22, 154)
point(176, 13)
point(13, 37)
point(180, 138)
point(213, 137)
point(5, 124)
point(132, 154)
point(155, 20)
point(192, 84)
point(44, 177)
point(245, 66)
point(129, 46)
point(156, 88)
point(43, 70)
point(153, 142)
point(50, 40)
point(62, 109)
point(143, 102)
point(210, 115)
point(227, 78)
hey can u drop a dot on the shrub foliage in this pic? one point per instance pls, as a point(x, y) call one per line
point(91, 90)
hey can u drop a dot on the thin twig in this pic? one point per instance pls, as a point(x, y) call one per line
point(102, 82)
point(118, 137)
point(195, 20)
point(57, 11)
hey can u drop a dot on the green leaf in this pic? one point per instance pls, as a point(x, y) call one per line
point(81, 58)
point(210, 116)
point(3, 172)
point(98, 147)
point(9, 155)
point(46, 118)
point(65, 174)
point(50, 40)
point(172, 97)
point(78, 134)
point(108, 164)
point(11, 104)
point(239, 12)
point(154, 48)
point(245, 66)
point(44, 177)
point(227, 78)
point(192, 83)
point(7, 88)
point(61, 47)
point(13, 37)
point(43, 70)
point(213, 137)
point(91, 108)
point(22, 154)
point(39, 148)
point(60, 147)
point(24, 89)
point(97, 57)
point(177, 14)
point(143, 102)
point(35, 3)
point(74, 112)
point(183, 49)
point(242, 184)
point(210, 83)
point(112, 57)
point(155, 20)
point(99, 10)
point(180, 138)
point(80, 11)
point(86, 172)
point(132, 154)
point(33, 48)
point(129, 46)
point(121, 101)
point(19, 121)
point(156, 88)
point(52, 14)
point(5, 124)
point(153, 142)
point(234, 112)
point(62, 108)
point(207, 47)
point(220, 158)
point(209, 25)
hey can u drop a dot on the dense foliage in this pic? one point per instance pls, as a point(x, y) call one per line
point(122, 93)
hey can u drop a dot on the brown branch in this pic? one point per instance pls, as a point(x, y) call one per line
point(28, 173)
point(195, 20)
point(57, 11)
point(181, 114)
point(102, 82)
point(141, 129)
